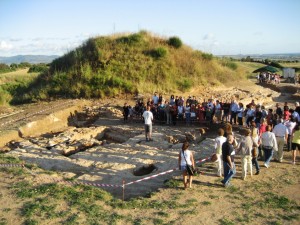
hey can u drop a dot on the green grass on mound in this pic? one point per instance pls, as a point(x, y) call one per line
point(136, 63)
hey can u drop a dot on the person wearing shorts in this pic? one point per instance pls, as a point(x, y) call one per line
point(295, 143)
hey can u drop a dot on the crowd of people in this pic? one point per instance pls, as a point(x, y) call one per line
point(266, 77)
point(265, 131)
point(191, 110)
point(262, 143)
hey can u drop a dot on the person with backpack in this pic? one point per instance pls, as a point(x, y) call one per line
point(185, 159)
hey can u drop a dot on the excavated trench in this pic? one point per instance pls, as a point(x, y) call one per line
point(94, 146)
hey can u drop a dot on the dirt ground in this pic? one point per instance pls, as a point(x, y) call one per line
point(252, 201)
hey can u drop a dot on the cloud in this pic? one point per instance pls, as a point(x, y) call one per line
point(215, 43)
point(208, 37)
point(15, 39)
point(5, 46)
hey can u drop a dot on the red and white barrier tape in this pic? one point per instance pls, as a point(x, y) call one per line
point(156, 175)
point(203, 160)
point(11, 165)
point(105, 185)
point(59, 180)
point(88, 183)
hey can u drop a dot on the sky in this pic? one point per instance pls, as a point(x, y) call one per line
point(220, 27)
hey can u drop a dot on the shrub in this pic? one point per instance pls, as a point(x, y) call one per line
point(207, 56)
point(131, 39)
point(185, 85)
point(275, 64)
point(158, 52)
point(4, 68)
point(5, 97)
point(175, 42)
point(38, 68)
point(229, 64)
point(23, 65)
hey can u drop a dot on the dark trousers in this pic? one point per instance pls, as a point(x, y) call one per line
point(254, 161)
point(240, 120)
point(249, 119)
point(289, 143)
point(268, 155)
point(233, 117)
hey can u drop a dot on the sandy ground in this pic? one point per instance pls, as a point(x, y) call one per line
point(215, 205)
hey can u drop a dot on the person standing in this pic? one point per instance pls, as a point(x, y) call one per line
point(167, 112)
point(218, 111)
point(228, 153)
point(155, 98)
point(240, 114)
point(246, 147)
point(148, 118)
point(218, 147)
point(125, 112)
point(278, 110)
point(187, 113)
point(173, 112)
point(262, 129)
point(186, 157)
point(269, 144)
point(234, 107)
point(295, 143)
point(226, 109)
point(290, 124)
point(249, 114)
point(281, 133)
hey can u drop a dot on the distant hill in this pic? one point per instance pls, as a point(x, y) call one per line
point(32, 59)
point(278, 56)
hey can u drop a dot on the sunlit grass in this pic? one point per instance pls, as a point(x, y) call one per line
point(16, 76)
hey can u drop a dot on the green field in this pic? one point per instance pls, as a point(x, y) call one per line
point(294, 64)
point(12, 81)
point(17, 76)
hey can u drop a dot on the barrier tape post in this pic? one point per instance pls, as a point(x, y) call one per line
point(123, 187)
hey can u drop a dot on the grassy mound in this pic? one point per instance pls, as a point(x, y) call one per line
point(136, 63)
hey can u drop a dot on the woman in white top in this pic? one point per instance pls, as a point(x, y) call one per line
point(186, 157)
point(218, 147)
point(269, 145)
point(290, 124)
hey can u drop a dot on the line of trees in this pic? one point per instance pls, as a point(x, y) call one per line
point(4, 68)
point(275, 63)
point(33, 68)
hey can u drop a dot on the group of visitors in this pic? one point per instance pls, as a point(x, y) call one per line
point(266, 77)
point(191, 110)
point(265, 131)
point(263, 139)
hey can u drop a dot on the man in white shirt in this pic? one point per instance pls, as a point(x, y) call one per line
point(269, 144)
point(281, 133)
point(148, 118)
